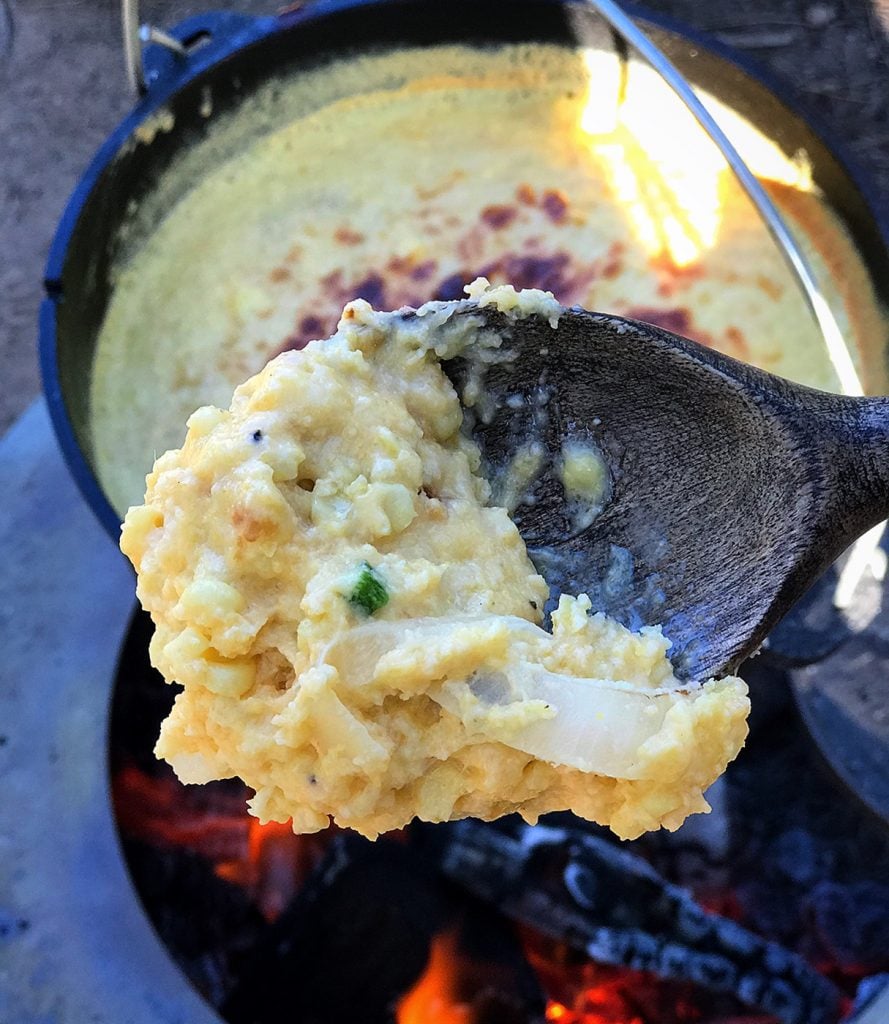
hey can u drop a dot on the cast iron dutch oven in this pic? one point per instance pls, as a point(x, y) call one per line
point(234, 55)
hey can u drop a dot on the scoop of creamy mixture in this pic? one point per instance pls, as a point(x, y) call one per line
point(357, 631)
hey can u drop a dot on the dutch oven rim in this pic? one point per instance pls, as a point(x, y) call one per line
point(232, 33)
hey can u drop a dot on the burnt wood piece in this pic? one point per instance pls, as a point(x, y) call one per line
point(732, 490)
point(611, 905)
point(356, 938)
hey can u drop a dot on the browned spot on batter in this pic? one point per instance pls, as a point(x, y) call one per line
point(294, 253)
point(280, 274)
point(499, 216)
point(336, 291)
point(674, 278)
point(308, 329)
point(566, 277)
point(736, 340)
point(555, 205)
point(614, 263)
point(770, 287)
point(408, 267)
point(548, 273)
point(332, 282)
point(558, 272)
point(525, 194)
point(424, 270)
point(472, 245)
point(452, 287)
point(249, 526)
point(441, 187)
point(346, 236)
point(311, 325)
point(400, 265)
point(373, 289)
point(676, 320)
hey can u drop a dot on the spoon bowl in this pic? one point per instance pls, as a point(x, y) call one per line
point(731, 490)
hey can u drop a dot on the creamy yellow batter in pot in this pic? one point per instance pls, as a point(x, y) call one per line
point(400, 177)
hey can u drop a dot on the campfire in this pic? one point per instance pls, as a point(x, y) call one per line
point(769, 911)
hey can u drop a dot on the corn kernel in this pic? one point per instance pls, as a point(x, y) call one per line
point(229, 678)
point(209, 598)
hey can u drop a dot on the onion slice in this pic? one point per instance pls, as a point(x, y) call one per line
point(594, 725)
point(356, 652)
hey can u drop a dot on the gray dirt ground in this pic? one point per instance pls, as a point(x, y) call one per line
point(62, 90)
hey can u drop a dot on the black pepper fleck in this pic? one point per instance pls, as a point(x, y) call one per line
point(257, 435)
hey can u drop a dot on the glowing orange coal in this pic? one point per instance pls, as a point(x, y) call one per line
point(268, 861)
point(583, 992)
point(452, 989)
point(161, 811)
point(275, 865)
point(434, 999)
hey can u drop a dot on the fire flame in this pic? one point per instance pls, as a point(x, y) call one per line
point(434, 999)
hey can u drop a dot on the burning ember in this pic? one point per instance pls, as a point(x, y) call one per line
point(268, 862)
point(589, 993)
point(770, 912)
point(452, 990)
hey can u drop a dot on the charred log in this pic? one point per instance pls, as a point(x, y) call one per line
point(614, 907)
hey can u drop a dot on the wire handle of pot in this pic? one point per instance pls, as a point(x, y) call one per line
point(837, 349)
point(135, 37)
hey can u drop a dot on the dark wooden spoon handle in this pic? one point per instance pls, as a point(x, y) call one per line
point(868, 457)
point(850, 445)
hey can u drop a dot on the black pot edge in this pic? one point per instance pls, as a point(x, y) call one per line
point(241, 32)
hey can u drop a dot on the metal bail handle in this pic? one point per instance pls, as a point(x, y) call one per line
point(135, 36)
point(799, 265)
point(838, 351)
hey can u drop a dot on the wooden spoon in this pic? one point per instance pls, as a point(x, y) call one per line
point(732, 489)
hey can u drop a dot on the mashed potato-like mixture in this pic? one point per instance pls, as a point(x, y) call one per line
point(358, 633)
